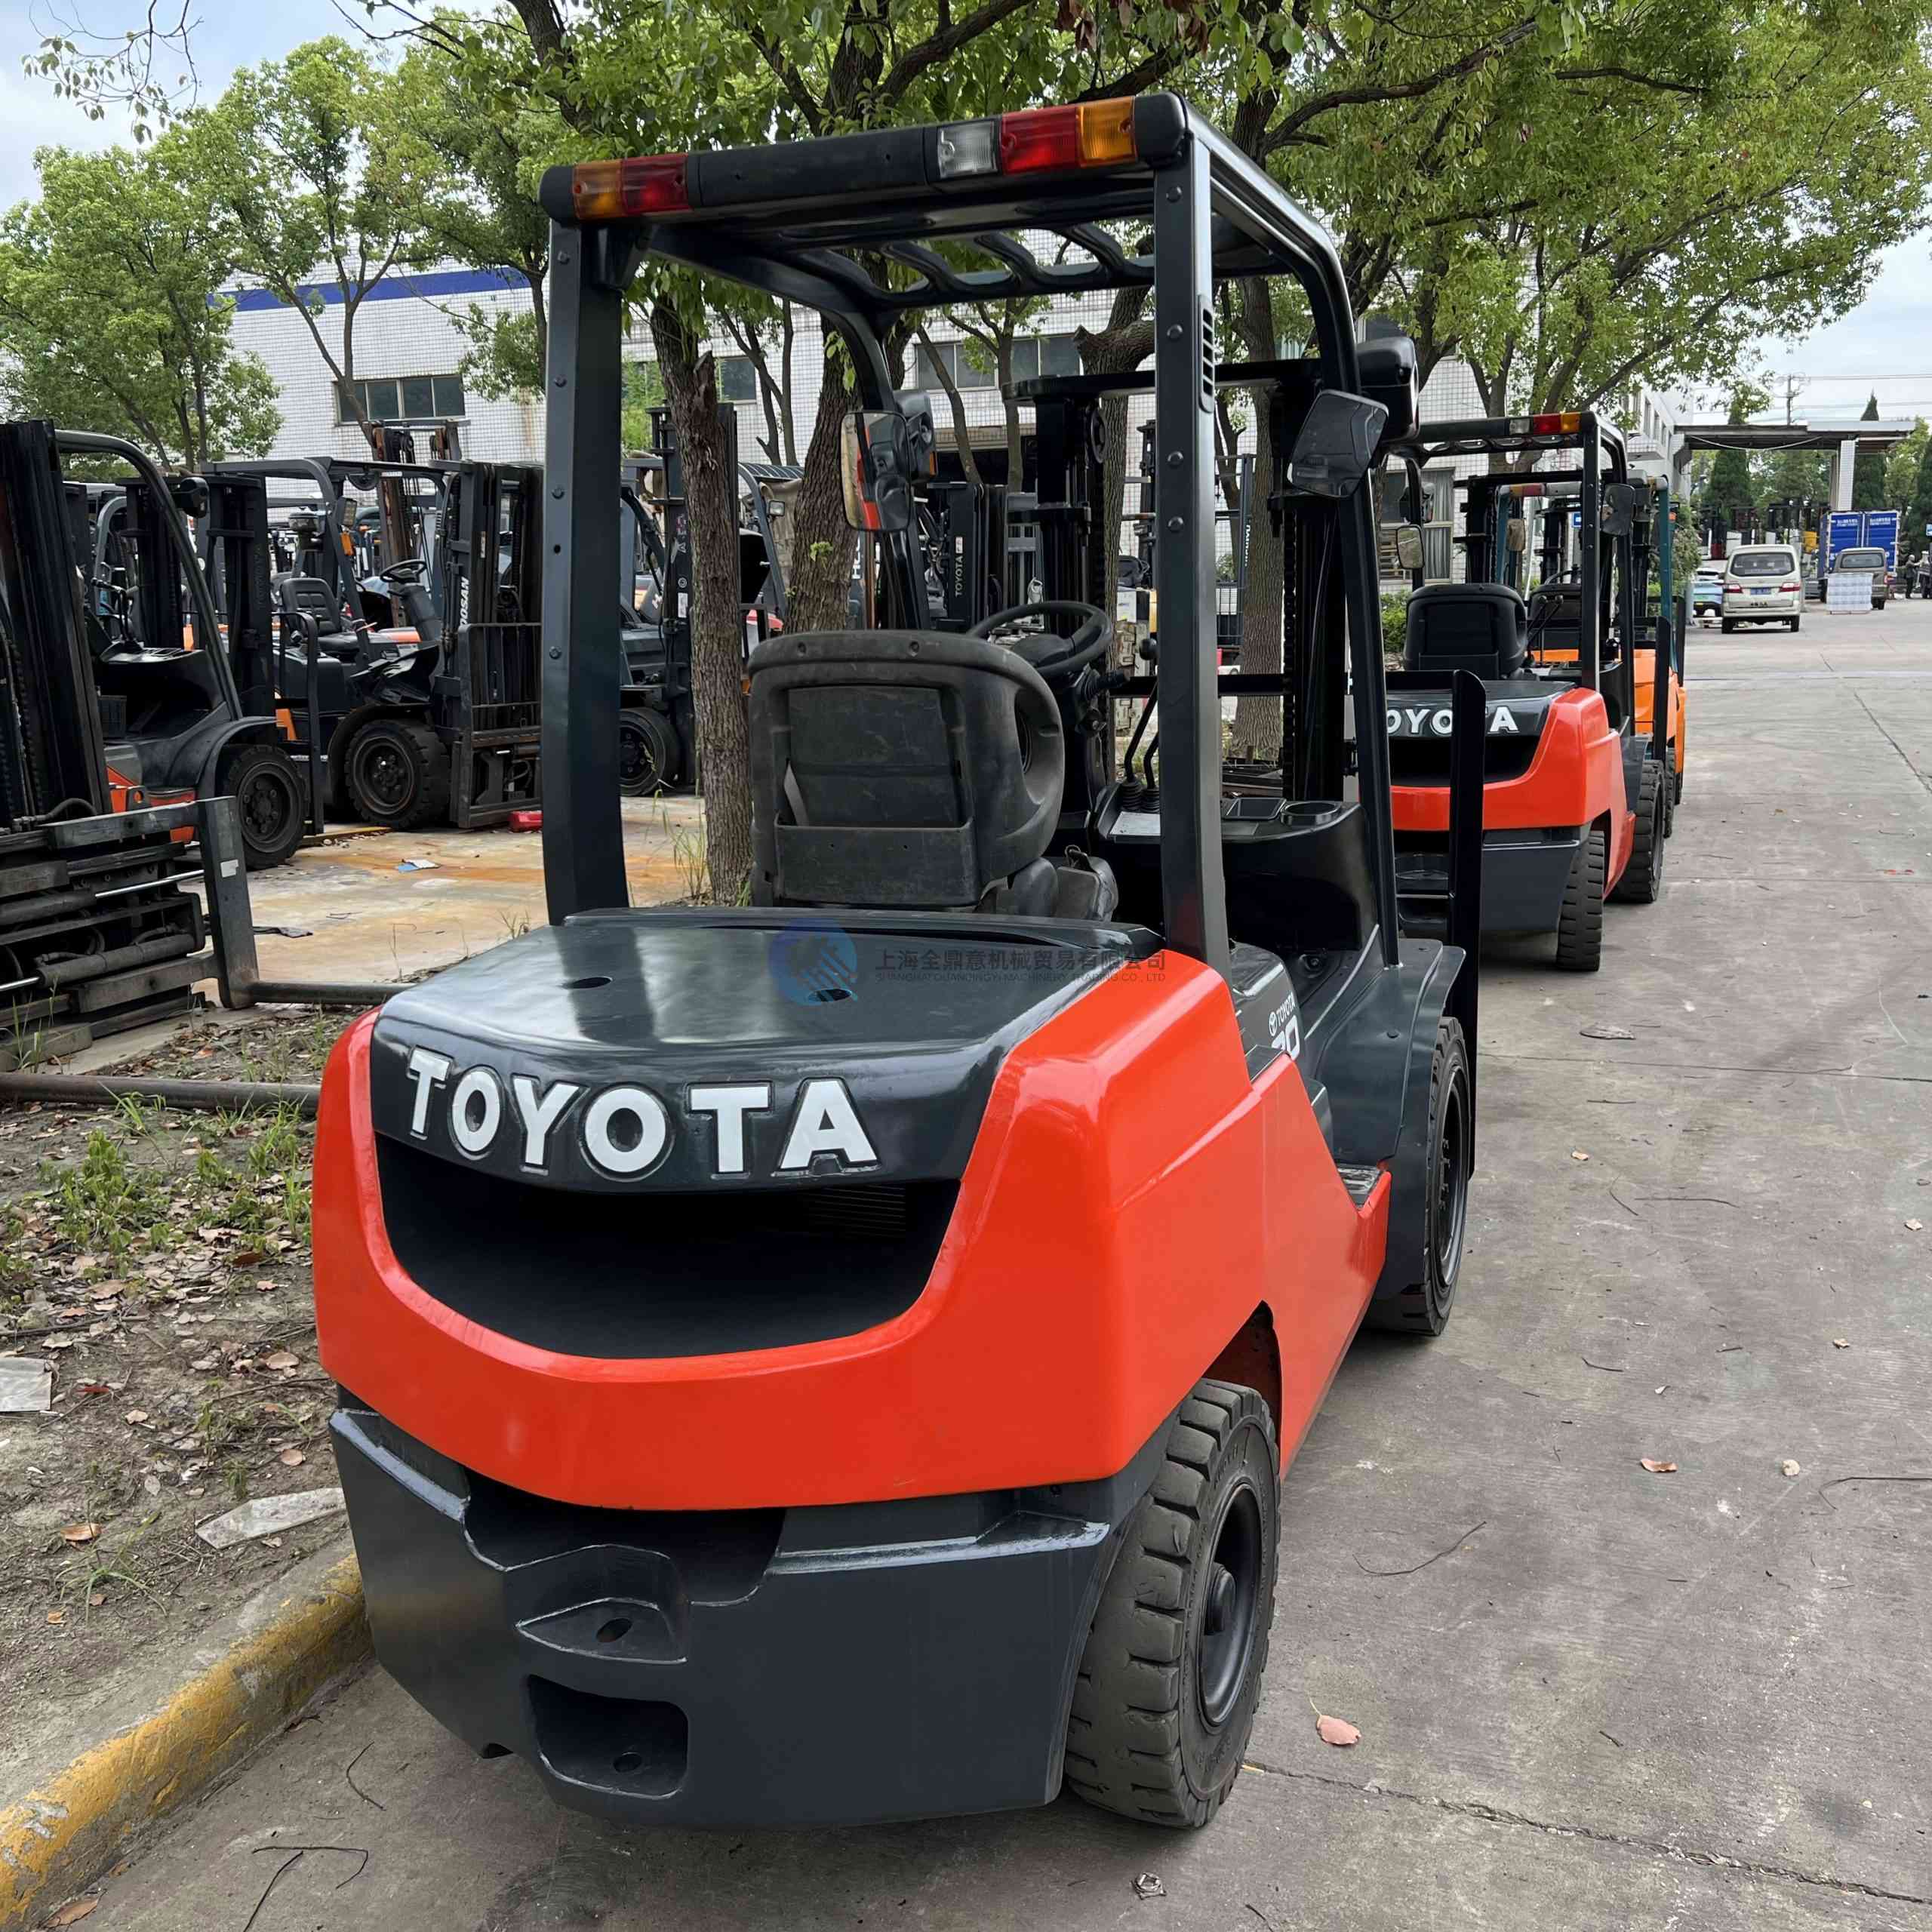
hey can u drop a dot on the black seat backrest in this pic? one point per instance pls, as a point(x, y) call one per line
point(309, 597)
point(909, 769)
point(1556, 617)
point(1478, 627)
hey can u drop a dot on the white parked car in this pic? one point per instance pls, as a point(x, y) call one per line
point(1866, 560)
point(1761, 585)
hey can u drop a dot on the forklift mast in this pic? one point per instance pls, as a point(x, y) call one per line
point(51, 748)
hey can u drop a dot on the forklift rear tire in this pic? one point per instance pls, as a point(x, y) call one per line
point(1670, 792)
point(398, 774)
point(1423, 1308)
point(1165, 1698)
point(270, 799)
point(1642, 882)
point(1580, 926)
point(646, 753)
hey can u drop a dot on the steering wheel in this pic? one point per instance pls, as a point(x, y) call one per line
point(1054, 657)
point(405, 571)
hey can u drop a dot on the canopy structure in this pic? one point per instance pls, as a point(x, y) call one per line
point(1843, 441)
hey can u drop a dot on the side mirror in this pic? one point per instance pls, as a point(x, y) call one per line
point(1620, 509)
point(1516, 535)
point(884, 451)
point(1336, 443)
point(1408, 546)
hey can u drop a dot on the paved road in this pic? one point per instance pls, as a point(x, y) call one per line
point(1701, 1700)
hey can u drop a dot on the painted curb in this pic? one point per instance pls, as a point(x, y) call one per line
point(76, 1822)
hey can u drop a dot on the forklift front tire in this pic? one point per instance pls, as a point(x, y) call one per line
point(1642, 882)
point(1165, 1698)
point(398, 774)
point(647, 752)
point(1423, 1309)
point(1580, 925)
point(270, 799)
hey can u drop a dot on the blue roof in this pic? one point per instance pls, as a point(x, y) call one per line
point(398, 285)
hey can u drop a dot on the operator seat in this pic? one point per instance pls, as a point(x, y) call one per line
point(1478, 627)
point(309, 597)
point(912, 770)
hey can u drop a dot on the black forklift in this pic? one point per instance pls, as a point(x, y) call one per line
point(176, 724)
point(429, 718)
point(1019, 1164)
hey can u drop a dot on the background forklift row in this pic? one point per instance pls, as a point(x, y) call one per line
point(662, 1537)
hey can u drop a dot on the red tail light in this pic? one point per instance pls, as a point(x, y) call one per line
point(1092, 134)
point(612, 190)
point(1563, 424)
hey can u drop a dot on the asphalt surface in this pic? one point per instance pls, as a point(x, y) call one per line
point(1701, 1700)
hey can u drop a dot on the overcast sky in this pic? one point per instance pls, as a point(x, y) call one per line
point(1885, 344)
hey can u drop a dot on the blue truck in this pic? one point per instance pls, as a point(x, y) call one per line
point(1862, 530)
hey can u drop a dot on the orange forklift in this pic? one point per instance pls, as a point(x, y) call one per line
point(1575, 796)
point(1003, 1237)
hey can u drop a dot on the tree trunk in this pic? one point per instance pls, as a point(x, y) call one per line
point(1257, 731)
point(1016, 444)
point(961, 431)
point(784, 371)
point(717, 627)
point(821, 587)
point(533, 274)
point(1124, 344)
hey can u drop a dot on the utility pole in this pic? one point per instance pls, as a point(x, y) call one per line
point(1794, 387)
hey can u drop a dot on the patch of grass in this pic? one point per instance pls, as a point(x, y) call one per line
point(103, 1203)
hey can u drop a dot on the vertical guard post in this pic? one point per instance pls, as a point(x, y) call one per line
point(1194, 897)
point(584, 842)
point(1468, 727)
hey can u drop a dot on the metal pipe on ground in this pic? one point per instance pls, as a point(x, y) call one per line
point(211, 1096)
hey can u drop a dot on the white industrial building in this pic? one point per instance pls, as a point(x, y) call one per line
point(409, 351)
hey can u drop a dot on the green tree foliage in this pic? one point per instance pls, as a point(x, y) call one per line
point(112, 312)
point(479, 152)
point(1903, 463)
point(1919, 503)
point(320, 186)
point(1732, 487)
point(1868, 469)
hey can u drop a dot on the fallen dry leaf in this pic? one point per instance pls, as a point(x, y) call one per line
point(291, 1457)
point(73, 1911)
point(247, 1258)
point(58, 1342)
point(137, 1415)
point(107, 1291)
point(56, 1616)
point(1658, 1468)
point(1577, 1154)
point(1337, 1731)
point(281, 1358)
point(202, 1362)
point(80, 1533)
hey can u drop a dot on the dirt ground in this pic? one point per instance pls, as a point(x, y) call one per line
point(158, 1259)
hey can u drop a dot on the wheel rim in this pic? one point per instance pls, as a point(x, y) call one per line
point(1232, 1612)
point(269, 806)
point(640, 766)
point(1452, 1184)
point(384, 776)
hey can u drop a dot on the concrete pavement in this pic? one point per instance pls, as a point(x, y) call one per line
point(1702, 1700)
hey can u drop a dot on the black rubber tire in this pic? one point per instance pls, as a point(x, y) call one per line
point(1796, 622)
point(1725, 625)
point(1580, 925)
point(1670, 792)
point(270, 799)
point(1423, 1308)
point(1642, 882)
point(647, 752)
point(1140, 1739)
point(397, 773)
point(1677, 788)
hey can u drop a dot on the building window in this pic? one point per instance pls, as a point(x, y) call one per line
point(737, 379)
point(966, 363)
point(405, 399)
